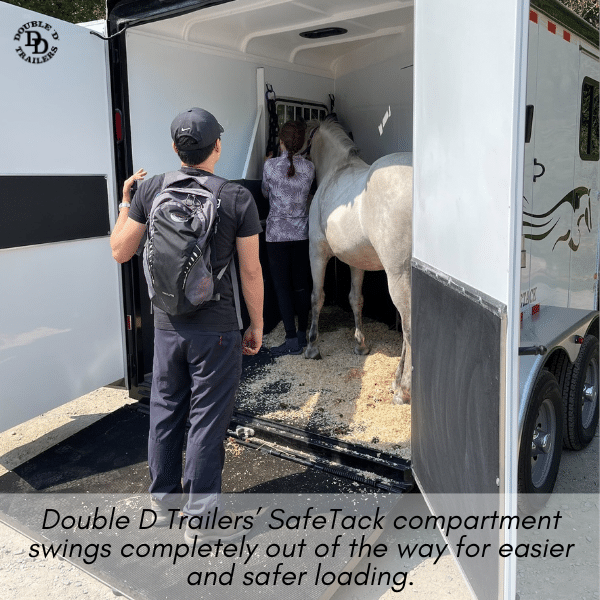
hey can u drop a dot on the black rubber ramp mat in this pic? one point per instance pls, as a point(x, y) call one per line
point(110, 457)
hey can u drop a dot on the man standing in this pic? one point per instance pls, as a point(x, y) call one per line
point(197, 357)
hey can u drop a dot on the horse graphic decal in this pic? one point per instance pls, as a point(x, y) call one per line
point(544, 224)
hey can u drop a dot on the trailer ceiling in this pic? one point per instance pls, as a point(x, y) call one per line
point(270, 30)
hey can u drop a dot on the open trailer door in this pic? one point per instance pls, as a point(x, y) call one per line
point(469, 101)
point(61, 322)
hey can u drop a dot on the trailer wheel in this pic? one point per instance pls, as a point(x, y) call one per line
point(541, 444)
point(581, 409)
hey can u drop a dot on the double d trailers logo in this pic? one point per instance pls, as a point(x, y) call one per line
point(36, 42)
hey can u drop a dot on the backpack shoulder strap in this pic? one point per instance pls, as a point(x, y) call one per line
point(173, 177)
point(215, 184)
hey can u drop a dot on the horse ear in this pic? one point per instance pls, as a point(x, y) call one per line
point(331, 118)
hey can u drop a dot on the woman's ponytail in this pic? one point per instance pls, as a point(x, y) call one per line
point(292, 136)
point(291, 169)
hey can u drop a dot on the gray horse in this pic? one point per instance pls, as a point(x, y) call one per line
point(363, 215)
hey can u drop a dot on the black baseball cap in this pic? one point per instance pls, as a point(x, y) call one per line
point(198, 124)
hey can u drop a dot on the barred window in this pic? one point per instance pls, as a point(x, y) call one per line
point(299, 110)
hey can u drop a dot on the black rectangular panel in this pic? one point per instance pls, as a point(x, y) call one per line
point(456, 395)
point(40, 209)
point(455, 388)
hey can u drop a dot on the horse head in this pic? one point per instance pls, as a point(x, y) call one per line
point(329, 146)
point(311, 129)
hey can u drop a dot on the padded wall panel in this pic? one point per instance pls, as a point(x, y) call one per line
point(41, 209)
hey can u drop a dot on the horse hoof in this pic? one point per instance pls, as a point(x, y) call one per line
point(313, 353)
point(362, 350)
point(401, 397)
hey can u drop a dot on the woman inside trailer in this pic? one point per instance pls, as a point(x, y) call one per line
point(287, 181)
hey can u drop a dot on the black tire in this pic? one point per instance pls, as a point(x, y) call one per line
point(581, 401)
point(560, 366)
point(541, 444)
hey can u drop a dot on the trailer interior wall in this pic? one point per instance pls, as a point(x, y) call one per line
point(209, 58)
point(374, 95)
point(60, 324)
point(167, 77)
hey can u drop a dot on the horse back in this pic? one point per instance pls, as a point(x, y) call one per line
point(386, 208)
point(398, 158)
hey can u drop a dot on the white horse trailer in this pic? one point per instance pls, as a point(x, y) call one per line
point(499, 104)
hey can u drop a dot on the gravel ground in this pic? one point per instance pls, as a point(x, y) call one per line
point(26, 578)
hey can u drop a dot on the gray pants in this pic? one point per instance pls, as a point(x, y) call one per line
point(198, 373)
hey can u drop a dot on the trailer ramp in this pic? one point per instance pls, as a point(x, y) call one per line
point(103, 470)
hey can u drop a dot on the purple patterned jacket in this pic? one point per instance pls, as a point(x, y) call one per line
point(288, 198)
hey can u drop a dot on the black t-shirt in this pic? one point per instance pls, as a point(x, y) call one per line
point(238, 217)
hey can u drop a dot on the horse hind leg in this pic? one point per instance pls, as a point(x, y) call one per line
point(356, 303)
point(402, 382)
point(399, 287)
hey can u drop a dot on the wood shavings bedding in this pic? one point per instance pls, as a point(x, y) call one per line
point(344, 396)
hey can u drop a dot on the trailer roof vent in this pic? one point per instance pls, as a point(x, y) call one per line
point(323, 32)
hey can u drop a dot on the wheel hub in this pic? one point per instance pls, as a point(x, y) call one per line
point(542, 443)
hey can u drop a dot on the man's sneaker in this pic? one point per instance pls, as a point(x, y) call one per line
point(224, 528)
point(165, 514)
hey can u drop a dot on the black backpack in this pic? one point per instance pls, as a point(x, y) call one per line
point(181, 225)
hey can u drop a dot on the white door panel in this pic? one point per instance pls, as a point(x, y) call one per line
point(59, 327)
point(467, 204)
point(61, 323)
point(55, 114)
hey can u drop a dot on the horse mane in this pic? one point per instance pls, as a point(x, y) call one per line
point(336, 134)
